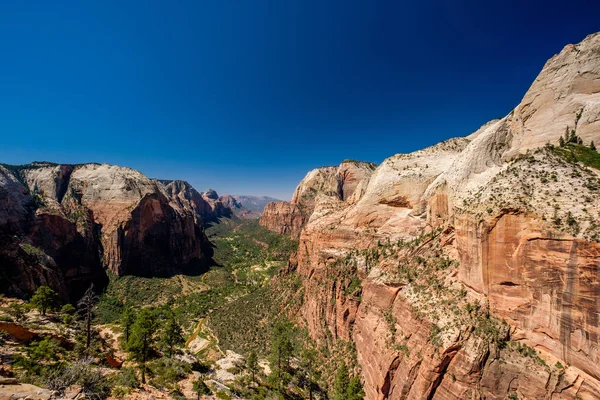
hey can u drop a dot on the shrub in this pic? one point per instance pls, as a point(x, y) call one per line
point(93, 383)
point(166, 372)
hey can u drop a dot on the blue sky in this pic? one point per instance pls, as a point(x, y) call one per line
point(247, 96)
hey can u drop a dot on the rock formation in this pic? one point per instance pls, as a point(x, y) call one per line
point(468, 269)
point(67, 225)
point(282, 217)
point(334, 183)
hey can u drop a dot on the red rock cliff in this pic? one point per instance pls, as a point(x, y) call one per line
point(469, 269)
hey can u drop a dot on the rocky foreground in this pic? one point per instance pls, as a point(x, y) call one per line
point(468, 269)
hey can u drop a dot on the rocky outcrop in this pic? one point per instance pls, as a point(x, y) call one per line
point(204, 206)
point(345, 183)
point(467, 269)
point(282, 217)
point(67, 225)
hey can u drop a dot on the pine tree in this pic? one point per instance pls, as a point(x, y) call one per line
point(172, 334)
point(561, 142)
point(142, 338)
point(43, 299)
point(592, 146)
point(355, 389)
point(127, 321)
point(341, 383)
point(281, 351)
point(346, 388)
point(252, 364)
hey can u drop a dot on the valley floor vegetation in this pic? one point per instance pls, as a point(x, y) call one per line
point(224, 333)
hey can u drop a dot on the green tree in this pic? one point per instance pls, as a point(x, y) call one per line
point(252, 364)
point(572, 137)
point(346, 388)
point(43, 299)
point(200, 388)
point(172, 334)
point(355, 389)
point(592, 146)
point(127, 321)
point(341, 383)
point(281, 351)
point(142, 338)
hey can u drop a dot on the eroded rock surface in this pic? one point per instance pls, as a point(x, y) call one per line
point(469, 269)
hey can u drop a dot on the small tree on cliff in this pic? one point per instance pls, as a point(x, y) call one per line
point(310, 374)
point(592, 146)
point(342, 380)
point(44, 299)
point(67, 312)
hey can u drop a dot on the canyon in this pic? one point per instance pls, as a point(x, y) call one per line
point(468, 269)
point(68, 226)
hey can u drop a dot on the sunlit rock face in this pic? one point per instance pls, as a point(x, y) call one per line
point(327, 184)
point(521, 228)
point(68, 225)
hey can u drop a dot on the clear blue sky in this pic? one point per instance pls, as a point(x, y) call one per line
point(247, 96)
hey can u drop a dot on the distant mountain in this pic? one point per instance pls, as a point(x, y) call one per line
point(254, 204)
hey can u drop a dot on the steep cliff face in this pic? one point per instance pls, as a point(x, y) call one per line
point(469, 269)
point(282, 217)
point(67, 224)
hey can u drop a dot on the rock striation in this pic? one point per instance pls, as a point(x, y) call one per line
point(468, 269)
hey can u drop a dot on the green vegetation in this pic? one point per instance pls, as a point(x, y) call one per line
point(200, 388)
point(246, 256)
point(346, 388)
point(43, 299)
point(143, 335)
point(32, 250)
point(172, 334)
point(574, 152)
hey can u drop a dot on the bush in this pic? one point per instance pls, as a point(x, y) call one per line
point(126, 378)
point(94, 385)
point(166, 372)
